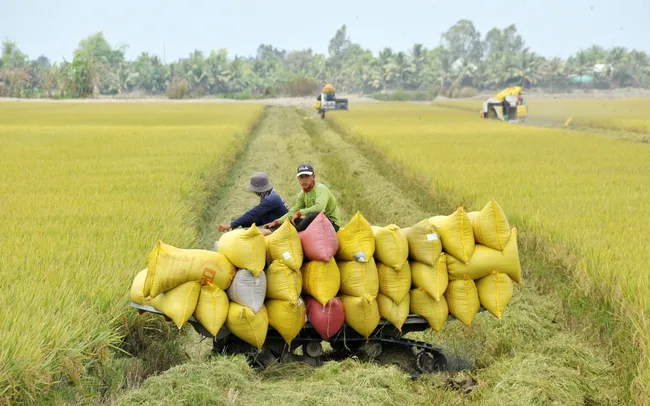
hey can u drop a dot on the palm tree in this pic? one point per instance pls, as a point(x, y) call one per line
point(553, 72)
point(388, 68)
point(195, 74)
point(525, 68)
point(402, 69)
point(217, 71)
point(49, 79)
point(122, 78)
point(443, 68)
point(418, 55)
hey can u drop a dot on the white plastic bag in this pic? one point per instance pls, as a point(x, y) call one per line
point(248, 291)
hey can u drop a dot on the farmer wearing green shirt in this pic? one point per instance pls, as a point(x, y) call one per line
point(313, 199)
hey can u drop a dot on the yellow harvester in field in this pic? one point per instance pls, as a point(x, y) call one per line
point(327, 101)
point(507, 105)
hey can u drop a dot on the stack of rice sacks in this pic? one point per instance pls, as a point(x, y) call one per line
point(482, 260)
point(442, 265)
point(321, 278)
point(394, 272)
point(359, 278)
point(248, 317)
point(182, 283)
point(287, 310)
point(428, 273)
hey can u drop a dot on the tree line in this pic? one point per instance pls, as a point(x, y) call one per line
point(464, 61)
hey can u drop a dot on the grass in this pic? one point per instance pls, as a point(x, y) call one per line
point(581, 195)
point(629, 116)
point(87, 191)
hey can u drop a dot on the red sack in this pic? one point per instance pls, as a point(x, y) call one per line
point(319, 240)
point(326, 320)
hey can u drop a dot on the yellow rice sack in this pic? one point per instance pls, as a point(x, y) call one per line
point(247, 325)
point(284, 245)
point(456, 234)
point(137, 288)
point(424, 242)
point(361, 314)
point(490, 226)
point(432, 279)
point(359, 278)
point(462, 299)
point(435, 311)
point(212, 308)
point(394, 284)
point(494, 292)
point(268, 253)
point(168, 267)
point(244, 248)
point(179, 303)
point(485, 260)
point(395, 313)
point(356, 240)
point(283, 283)
point(391, 246)
point(321, 280)
point(287, 318)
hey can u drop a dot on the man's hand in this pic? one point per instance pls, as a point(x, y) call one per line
point(224, 227)
point(295, 216)
point(272, 224)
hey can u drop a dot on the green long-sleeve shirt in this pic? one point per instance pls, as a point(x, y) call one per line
point(319, 198)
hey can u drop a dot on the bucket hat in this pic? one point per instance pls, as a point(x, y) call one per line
point(259, 183)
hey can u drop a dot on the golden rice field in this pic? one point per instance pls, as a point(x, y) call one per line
point(588, 194)
point(629, 115)
point(87, 190)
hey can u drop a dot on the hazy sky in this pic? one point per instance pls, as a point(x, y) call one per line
point(549, 27)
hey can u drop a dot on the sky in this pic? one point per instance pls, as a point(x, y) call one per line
point(173, 29)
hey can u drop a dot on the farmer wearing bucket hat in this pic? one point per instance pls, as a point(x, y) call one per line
point(314, 198)
point(271, 205)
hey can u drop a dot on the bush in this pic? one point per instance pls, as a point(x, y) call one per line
point(301, 86)
point(467, 92)
point(456, 92)
point(269, 92)
point(404, 95)
point(178, 89)
point(243, 95)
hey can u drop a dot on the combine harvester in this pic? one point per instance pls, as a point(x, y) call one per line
point(327, 101)
point(508, 105)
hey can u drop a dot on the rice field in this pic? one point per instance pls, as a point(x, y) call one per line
point(87, 190)
point(583, 193)
point(627, 115)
